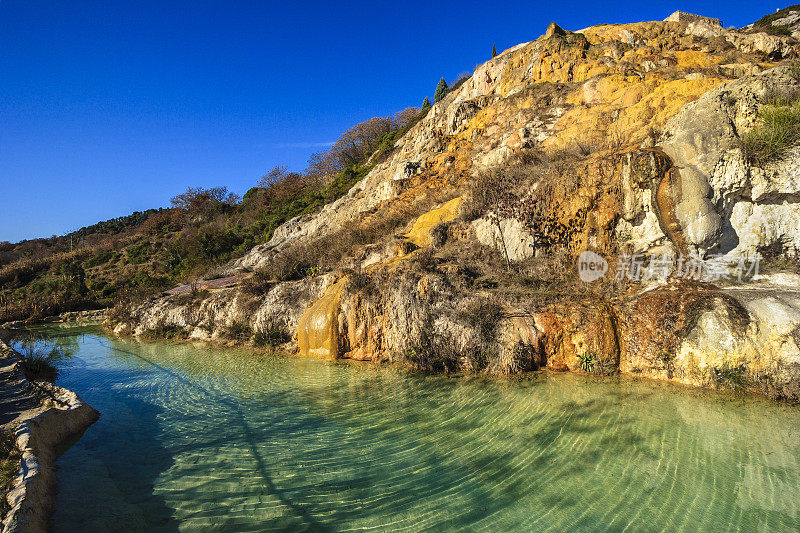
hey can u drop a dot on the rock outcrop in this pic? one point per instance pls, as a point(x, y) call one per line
point(57, 415)
point(600, 85)
point(639, 126)
point(724, 204)
point(786, 20)
point(207, 318)
point(680, 16)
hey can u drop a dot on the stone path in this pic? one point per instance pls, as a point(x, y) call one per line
point(212, 284)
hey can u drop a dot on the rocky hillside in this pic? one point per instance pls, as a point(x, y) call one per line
point(651, 145)
point(785, 21)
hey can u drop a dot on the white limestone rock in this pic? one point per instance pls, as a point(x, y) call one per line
point(510, 236)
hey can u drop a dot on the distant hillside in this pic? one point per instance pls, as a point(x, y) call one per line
point(785, 21)
point(146, 252)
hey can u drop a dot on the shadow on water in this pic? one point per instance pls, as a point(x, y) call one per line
point(220, 439)
point(301, 518)
point(114, 490)
point(299, 429)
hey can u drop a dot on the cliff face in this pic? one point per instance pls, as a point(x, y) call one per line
point(621, 139)
point(610, 84)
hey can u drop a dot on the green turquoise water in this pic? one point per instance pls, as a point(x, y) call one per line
point(194, 438)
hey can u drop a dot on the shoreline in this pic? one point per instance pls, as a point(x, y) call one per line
point(58, 415)
point(91, 316)
point(744, 393)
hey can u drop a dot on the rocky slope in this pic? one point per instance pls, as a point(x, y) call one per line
point(621, 139)
point(784, 21)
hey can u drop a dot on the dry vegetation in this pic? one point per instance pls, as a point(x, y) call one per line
point(778, 130)
point(130, 258)
point(480, 284)
point(10, 456)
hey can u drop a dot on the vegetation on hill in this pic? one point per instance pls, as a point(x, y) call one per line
point(777, 132)
point(441, 91)
point(147, 252)
point(765, 23)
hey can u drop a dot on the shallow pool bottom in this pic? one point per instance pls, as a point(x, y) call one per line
point(194, 438)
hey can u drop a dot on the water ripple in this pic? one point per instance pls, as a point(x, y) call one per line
point(193, 438)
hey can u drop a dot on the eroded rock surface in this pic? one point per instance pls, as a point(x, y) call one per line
point(654, 109)
point(725, 205)
point(561, 90)
point(44, 417)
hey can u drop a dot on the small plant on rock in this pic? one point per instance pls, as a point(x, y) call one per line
point(587, 361)
point(272, 335)
point(794, 70)
point(730, 377)
point(778, 132)
point(38, 364)
point(238, 331)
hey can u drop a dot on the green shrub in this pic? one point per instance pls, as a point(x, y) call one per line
point(587, 361)
point(37, 364)
point(100, 257)
point(137, 253)
point(777, 30)
point(772, 139)
point(271, 335)
point(441, 91)
point(765, 23)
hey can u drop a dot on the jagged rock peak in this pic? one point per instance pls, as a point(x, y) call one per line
point(554, 29)
point(681, 16)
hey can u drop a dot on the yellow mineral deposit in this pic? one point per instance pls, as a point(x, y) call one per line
point(420, 231)
point(318, 329)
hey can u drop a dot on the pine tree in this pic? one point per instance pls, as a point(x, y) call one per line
point(426, 104)
point(441, 90)
point(494, 51)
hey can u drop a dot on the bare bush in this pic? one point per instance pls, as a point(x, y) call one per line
point(258, 283)
point(279, 184)
point(197, 201)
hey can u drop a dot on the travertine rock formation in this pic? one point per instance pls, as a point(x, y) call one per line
point(653, 111)
point(57, 414)
point(680, 16)
point(606, 83)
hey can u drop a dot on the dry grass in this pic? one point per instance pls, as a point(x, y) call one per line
point(779, 130)
point(10, 456)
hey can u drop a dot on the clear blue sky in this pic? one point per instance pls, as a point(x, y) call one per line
point(108, 107)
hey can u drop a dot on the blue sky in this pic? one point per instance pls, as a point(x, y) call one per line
point(111, 107)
